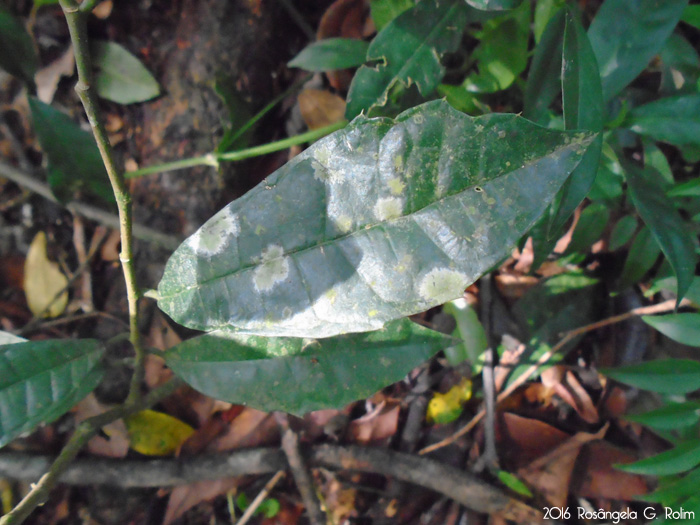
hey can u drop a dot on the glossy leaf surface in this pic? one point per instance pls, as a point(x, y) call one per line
point(299, 375)
point(666, 225)
point(684, 327)
point(41, 380)
point(675, 120)
point(407, 52)
point(75, 165)
point(331, 54)
point(121, 77)
point(375, 222)
point(666, 376)
point(626, 34)
point(17, 56)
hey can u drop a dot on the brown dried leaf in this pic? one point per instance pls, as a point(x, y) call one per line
point(381, 423)
point(252, 428)
point(320, 108)
point(601, 480)
point(47, 78)
point(117, 445)
point(185, 497)
point(525, 439)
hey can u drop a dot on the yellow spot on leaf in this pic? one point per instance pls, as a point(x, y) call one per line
point(396, 186)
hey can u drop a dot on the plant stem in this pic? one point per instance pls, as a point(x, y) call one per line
point(77, 25)
point(213, 158)
point(85, 431)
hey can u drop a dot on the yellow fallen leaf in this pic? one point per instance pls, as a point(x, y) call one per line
point(445, 408)
point(43, 280)
point(156, 434)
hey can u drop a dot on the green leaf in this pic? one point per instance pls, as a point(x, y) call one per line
point(626, 34)
point(691, 15)
point(18, 56)
point(502, 53)
point(74, 162)
point(684, 457)
point(689, 188)
point(469, 329)
point(544, 77)
point(684, 328)
point(300, 375)
point(384, 11)
point(331, 54)
point(641, 257)
point(669, 284)
point(582, 98)
point(675, 120)
point(666, 376)
point(42, 380)
point(674, 489)
point(622, 232)
point(666, 225)
point(494, 5)
point(545, 10)
point(680, 66)
point(670, 417)
point(121, 77)
point(408, 51)
point(513, 483)
point(375, 222)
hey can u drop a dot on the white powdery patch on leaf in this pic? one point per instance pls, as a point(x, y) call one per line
point(273, 269)
point(388, 208)
point(440, 285)
point(213, 236)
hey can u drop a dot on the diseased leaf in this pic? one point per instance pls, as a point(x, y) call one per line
point(300, 375)
point(684, 457)
point(666, 376)
point(670, 417)
point(407, 52)
point(626, 34)
point(675, 120)
point(17, 56)
point(44, 281)
point(582, 99)
point(375, 222)
point(121, 77)
point(684, 328)
point(41, 380)
point(331, 54)
point(502, 53)
point(544, 77)
point(75, 165)
point(156, 434)
point(666, 225)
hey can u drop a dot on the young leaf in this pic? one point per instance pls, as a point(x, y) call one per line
point(375, 222)
point(331, 54)
point(670, 417)
point(667, 226)
point(626, 34)
point(121, 77)
point(666, 376)
point(408, 51)
point(684, 328)
point(684, 457)
point(300, 375)
point(74, 163)
point(18, 56)
point(41, 380)
point(582, 99)
point(675, 120)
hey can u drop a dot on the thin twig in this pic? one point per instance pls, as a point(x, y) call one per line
point(77, 26)
point(83, 433)
point(568, 336)
point(29, 182)
point(260, 498)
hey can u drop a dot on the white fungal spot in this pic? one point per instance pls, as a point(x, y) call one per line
point(388, 208)
point(213, 236)
point(343, 223)
point(273, 269)
point(396, 186)
point(440, 285)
